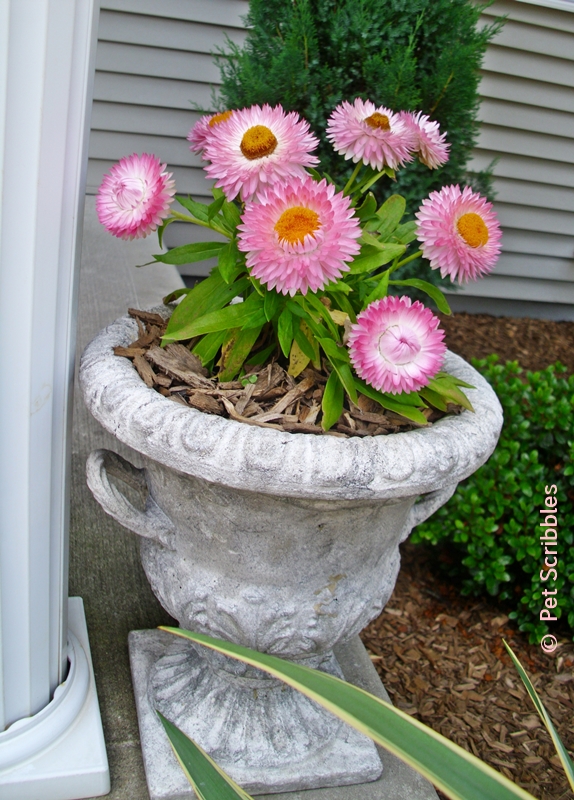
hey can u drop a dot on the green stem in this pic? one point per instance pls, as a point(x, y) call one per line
point(414, 256)
point(372, 181)
point(352, 178)
point(195, 221)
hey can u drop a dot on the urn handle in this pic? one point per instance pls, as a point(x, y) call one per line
point(151, 523)
point(427, 505)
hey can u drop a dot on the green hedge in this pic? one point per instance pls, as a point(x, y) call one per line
point(491, 523)
point(310, 55)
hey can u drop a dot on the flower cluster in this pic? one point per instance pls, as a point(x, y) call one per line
point(312, 258)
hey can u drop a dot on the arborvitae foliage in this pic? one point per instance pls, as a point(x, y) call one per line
point(309, 55)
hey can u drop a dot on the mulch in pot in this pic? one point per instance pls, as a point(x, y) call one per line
point(266, 396)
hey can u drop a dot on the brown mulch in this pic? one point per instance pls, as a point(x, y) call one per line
point(442, 660)
point(534, 343)
point(441, 655)
point(267, 397)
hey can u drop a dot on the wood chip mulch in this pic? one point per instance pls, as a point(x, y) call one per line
point(268, 397)
point(442, 660)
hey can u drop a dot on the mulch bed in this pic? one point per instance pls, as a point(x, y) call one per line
point(441, 655)
point(267, 397)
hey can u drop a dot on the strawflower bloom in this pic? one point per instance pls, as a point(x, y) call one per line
point(431, 146)
point(201, 131)
point(459, 233)
point(256, 147)
point(134, 196)
point(299, 236)
point(376, 136)
point(396, 346)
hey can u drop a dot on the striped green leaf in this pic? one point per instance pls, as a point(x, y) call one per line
point(209, 781)
point(457, 773)
point(565, 759)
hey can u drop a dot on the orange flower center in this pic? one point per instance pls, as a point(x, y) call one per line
point(221, 117)
point(257, 142)
point(473, 229)
point(380, 121)
point(295, 223)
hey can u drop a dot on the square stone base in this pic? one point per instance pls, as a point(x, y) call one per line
point(166, 780)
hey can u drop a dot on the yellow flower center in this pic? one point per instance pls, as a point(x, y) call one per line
point(295, 223)
point(380, 121)
point(221, 117)
point(473, 229)
point(257, 142)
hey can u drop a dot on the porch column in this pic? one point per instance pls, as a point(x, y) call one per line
point(47, 692)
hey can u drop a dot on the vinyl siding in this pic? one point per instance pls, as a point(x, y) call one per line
point(154, 66)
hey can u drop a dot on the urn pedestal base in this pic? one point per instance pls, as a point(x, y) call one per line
point(350, 759)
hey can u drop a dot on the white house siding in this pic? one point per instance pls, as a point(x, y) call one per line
point(154, 65)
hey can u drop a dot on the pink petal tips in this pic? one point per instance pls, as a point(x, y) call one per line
point(257, 147)
point(376, 136)
point(459, 233)
point(200, 133)
point(430, 144)
point(299, 236)
point(135, 196)
point(395, 345)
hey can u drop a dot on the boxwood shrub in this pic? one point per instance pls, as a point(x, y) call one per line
point(491, 524)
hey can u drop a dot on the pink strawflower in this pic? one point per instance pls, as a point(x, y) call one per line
point(299, 235)
point(258, 147)
point(431, 146)
point(374, 135)
point(459, 233)
point(134, 196)
point(201, 131)
point(396, 346)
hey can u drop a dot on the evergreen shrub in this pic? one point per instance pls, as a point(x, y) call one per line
point(490, 525)
point(310, 55)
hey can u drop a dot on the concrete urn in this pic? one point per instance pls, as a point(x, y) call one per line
point(286, 543)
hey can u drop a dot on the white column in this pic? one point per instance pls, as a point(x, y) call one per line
point(46, 72)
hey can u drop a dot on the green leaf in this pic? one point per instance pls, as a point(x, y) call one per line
point(214, 208)
point(312, 300)
point(227, 262)
point(285, 331)
point(236, 348)
point(190, 253)
point(376, 257)
point(380, 290)
point(169, 298)
point(249, 313)
point(398, 407)
point(433, 291)
point(406, 233)
point(332, 403)
point(565, 759)
point(208, 295)
point(390, 214)
point(197, 210)
point(262, 356)
point(231, 215)
point(433, 398)
point(346, 378)
point(453, 393)
point(208, 781)
point(337, 353)
point(206, 349)
point(303, 342)
point(454, 380)
point(453, 770)
point(161, 230)
point(367, 209)
point(271, 304)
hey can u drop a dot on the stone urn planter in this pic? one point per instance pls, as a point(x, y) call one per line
point(286, 543)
